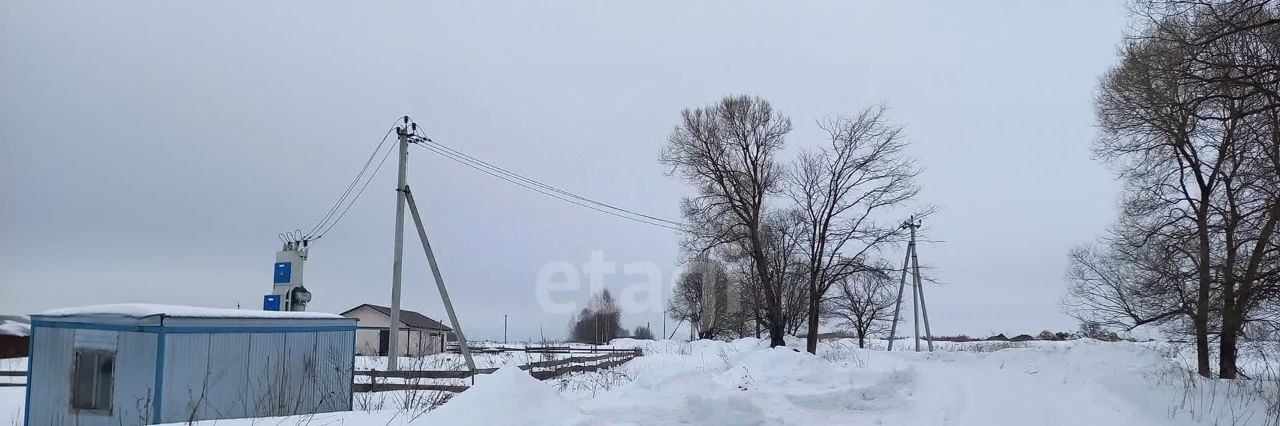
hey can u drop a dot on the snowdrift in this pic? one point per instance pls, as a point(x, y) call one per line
point(508, 396)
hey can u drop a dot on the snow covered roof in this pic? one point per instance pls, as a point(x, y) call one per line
point(140, 310)
point(14, 328)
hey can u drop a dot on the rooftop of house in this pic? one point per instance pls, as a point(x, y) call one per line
point(409, 318)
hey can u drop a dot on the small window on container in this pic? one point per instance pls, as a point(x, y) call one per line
point(92, 379)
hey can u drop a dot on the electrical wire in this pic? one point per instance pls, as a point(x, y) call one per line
point(347, 199)
point(542, 188)
point(464, 162)
point(351, 194)
point(357, 196)
point(546, 186)
point(552, 188)
point(343, 198)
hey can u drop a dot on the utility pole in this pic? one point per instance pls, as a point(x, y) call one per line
point(915, 263)
point(915, 284)
point(393, 339)
point(897, 306)
point(504, 329)
point(664, 324)
point(912, 262)
point(435, 273)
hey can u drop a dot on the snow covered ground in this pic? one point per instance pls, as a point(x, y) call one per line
point(745, 383)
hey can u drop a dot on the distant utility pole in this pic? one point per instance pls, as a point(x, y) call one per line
point(504, 329)
point(664, 324)
point(912, 262)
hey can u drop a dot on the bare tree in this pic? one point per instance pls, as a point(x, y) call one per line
point(1151, 136)
point(1118, 288)
point(1230, 52)
point(599, 322)
point(1185, 119)
point(837, 191)
point(727, 151)
point(701, 297)
point(864, 302)
point(783, 244)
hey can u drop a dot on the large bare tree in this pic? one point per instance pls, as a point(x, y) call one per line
point(727, 151)
point(838, 189)
point(1150, 135)
point(1188, 121)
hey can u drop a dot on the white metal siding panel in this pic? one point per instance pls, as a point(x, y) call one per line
point(133, 396)
point(333, 376)
point(50, 385)
point(266, 375)
point(300, 365)
point(186, 360)
point(228, 377)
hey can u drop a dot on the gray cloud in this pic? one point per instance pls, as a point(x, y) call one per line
point(152, 151)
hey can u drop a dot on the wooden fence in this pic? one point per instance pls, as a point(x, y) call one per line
point(453, 348)
point(541, 370)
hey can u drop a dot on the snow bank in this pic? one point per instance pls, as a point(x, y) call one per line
point(783, 366)
point(139, 310)
point(508, 396)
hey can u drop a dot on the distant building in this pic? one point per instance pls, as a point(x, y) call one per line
point(419, 335)
point(145, 364)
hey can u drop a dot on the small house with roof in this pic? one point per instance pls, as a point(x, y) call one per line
point(137, 364)
point(419, 335)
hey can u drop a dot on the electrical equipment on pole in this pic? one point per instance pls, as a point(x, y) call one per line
point(287, 291)
point(288, 294)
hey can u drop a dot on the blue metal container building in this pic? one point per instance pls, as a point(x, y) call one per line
point(140, 364)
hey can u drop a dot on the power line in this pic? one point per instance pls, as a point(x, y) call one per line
point(543, 185)
point(346, 200)
point(542, 188)
point(498, 175)
point(552, 188)
point(357, 196)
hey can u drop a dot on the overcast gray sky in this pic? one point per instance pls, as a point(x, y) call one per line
point(151, 152)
